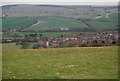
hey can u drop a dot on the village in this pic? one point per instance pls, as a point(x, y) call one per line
point(66, 40)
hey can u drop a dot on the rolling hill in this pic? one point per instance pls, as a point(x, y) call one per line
point(57, 16)
point(56, 22)
point(61, 10)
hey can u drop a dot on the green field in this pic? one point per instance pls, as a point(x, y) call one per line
point(61, 63)
point(111, 24)
point(10, 46)
point(112, 18)
point(13, 46)
point(57, 22)
point(102, 25)
point(16, 22)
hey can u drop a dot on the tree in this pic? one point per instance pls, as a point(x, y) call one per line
point(95, 41)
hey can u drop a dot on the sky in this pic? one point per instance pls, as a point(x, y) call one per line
point(62, 2)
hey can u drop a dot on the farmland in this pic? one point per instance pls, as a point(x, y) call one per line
point(59, 42)
point(102, 25)
point(111, 17)
point(16, 22)
point(57, 22)
point(61, 63)
point(105, 23)
point(10, 46)
point(51, 16)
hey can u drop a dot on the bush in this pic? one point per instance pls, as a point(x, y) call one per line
point(96, 45)
point(24, 45)
point(83, 45)
point(36, 46)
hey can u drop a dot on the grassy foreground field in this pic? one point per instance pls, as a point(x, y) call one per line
point(61, 63)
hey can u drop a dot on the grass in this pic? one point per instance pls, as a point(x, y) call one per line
point(16, 22)
point(102, 25)
point(61, 63)
point(10, 46)
point(57, 22)
point(112, 18)
point(112, 24)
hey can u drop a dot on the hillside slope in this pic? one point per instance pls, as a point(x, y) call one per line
point(48, 10)
point(61, 63)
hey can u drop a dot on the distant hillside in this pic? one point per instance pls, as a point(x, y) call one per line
point(56, 17)
point(53, 10)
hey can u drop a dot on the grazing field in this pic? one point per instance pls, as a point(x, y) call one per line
point(111, 17)
point(10, 46)
point(102, 25)
point(99, 23)
point(16, 22)
point(57, 22)
point(13, 46)
point(61, 63)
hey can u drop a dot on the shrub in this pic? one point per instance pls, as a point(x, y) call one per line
point(83, 45)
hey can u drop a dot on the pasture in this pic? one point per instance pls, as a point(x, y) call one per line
point(111, 22)
point(15, 22)
point(111, 17)
point(56, 22)
point(61, 63)
point(10, 46)
point(102, 25)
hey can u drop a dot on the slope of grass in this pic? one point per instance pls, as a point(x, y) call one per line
point(16, 22)
point(61, 63)
point(57, 22)
point(102, 25)
point(111, 17)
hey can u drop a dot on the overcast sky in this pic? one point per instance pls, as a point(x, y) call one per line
point(62, 2)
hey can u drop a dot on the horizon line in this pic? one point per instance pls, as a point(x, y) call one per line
point(63, 3)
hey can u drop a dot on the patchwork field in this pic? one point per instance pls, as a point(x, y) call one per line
point(59, 22)
point(61, 63)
